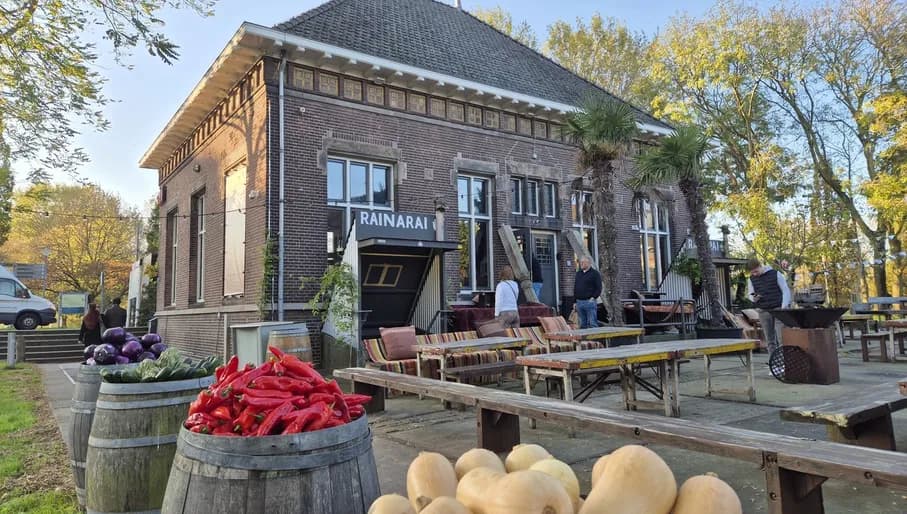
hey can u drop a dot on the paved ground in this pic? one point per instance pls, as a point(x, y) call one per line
point(410, 425)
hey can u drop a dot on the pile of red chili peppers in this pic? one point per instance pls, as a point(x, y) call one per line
point(282, 396)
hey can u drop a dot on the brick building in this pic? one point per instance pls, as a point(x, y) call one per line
point(383, 106)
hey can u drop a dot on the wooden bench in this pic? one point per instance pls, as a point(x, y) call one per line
point(794, 468)
point(862, 418)
point(882, 338)
point(480, 370)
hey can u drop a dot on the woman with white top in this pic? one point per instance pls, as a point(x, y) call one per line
point(505, 299)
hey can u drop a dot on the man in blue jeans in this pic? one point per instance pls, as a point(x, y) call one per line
point(586, 289)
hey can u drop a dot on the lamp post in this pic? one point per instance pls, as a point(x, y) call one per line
point(46, 253)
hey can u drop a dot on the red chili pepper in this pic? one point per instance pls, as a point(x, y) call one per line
point(292, 428)
point(356, 411)
point(321, 397)
point(195, 406)
point(297, 368)
point(268, 393)
point(200, 429)
point(322, 420)
point(248, 417)
point(283, 384)
point(199, 418)
point(223, 430)
point(279, 370)
point(272, 418)
point(333, 422)
point(330, 386)
point(222, 413)
point(222, 390)
point(277, 353)
point(300, 402)
point(356, 399)
point(241, 382)
point(344, 408)
point(219, 372)
point(304, 416)
point(262, 403)
point(232, 366)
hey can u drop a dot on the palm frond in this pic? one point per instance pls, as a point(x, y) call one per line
point(601, 128)
point(678, 157)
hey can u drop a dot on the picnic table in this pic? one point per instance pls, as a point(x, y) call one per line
point(605, 334)
point(441, 351)
point(893, 325)
point(861, 321)
point(664, 355)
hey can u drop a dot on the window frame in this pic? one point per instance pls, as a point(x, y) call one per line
point(198, 208)
point(577, 203)
point(173, 249)
point(227, 216)
point(346, 206)
point(516, 205)
point(471, 218)
point(549, 206)
point(532, 203)
point(660, 234)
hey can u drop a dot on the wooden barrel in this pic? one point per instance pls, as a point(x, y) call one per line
point(132, 442)
point(84, 397)
point(294, 341)
point(329, 471)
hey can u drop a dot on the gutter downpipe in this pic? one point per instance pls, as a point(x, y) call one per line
point(270, 182)
point(282, 198)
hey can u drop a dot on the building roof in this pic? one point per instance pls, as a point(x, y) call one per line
point(439, 37)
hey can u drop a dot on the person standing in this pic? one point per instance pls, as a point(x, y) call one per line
point(768, 289)
point(537, 280)
point(505, 299)
point(115, 316)
point(90, 332)
point(587, 287)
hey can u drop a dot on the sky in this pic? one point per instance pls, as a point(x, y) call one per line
point(147, 94)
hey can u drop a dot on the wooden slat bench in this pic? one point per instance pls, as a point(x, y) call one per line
point(862, 418)
point(480, 370)
point(882, 337)
point(794, 468)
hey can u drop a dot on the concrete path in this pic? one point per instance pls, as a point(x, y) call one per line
point(409, 426)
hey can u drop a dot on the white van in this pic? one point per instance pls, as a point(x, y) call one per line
point(20, 308)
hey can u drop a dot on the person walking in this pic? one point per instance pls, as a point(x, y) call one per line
point(115, 316)
point(768, 289)
point(90, 332)
point(505, 299)
point(587, 287)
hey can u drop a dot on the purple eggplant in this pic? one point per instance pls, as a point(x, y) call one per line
point(145, 356)
point(88, 353)
point(105, 354)
point(158, 348)
point(115, 335)
point(150, 339)
point(132, 349)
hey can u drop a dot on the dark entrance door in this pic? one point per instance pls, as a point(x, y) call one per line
point(544, 246)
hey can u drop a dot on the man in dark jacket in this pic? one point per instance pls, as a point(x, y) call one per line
point(115, 316)
point(768, 289)
point(587, 287)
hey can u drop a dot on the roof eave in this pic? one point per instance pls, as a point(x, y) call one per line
point(249, 37)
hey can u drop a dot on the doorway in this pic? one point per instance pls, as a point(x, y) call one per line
point(544, 250)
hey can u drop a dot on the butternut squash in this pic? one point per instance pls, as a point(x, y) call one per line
point(478, 458)
point(598, 468)
point(527, 492)
point(634, 480)
point(430, 475)
point(705, 494)
point(523, 456)
point(564, 474)
point(391, 504)
point(445, 505)
point(472, 489)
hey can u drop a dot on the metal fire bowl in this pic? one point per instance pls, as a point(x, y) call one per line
point(819, 317)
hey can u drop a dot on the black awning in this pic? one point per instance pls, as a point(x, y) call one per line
point(376, 243)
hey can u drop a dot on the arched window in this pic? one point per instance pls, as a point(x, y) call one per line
point(654, 241)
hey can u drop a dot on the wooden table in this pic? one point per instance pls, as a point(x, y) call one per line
point(605, 334)
point(861, 320)
point(441, 351)
point(665, 355)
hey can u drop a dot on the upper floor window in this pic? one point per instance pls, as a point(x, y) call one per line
point(583, 214)
point(353, 184)
point(197, 255)
point(516, 195)
point(172, 243)
point(550, 197)
point(474, 206)
point(532, 197)
point(654, 241)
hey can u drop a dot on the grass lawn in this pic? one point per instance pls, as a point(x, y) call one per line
point(35, 476)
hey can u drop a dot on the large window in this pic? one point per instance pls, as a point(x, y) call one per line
point(235, 231)
point(353, 184)
point(172, 249)
point(516, 195)
point(532, 197)
point(198, 251)
point(654, 241)
point(474, 206)
point(583, 214)
point(550, 198)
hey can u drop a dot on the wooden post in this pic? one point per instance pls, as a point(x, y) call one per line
point(791, 492)
point(498, 432)
point(20, 349)
point(11, 349)
point(515, 259)
point(376, 392)
point(874, 433)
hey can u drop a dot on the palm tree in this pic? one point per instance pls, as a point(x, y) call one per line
point(603, 128)
point(678, 159)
